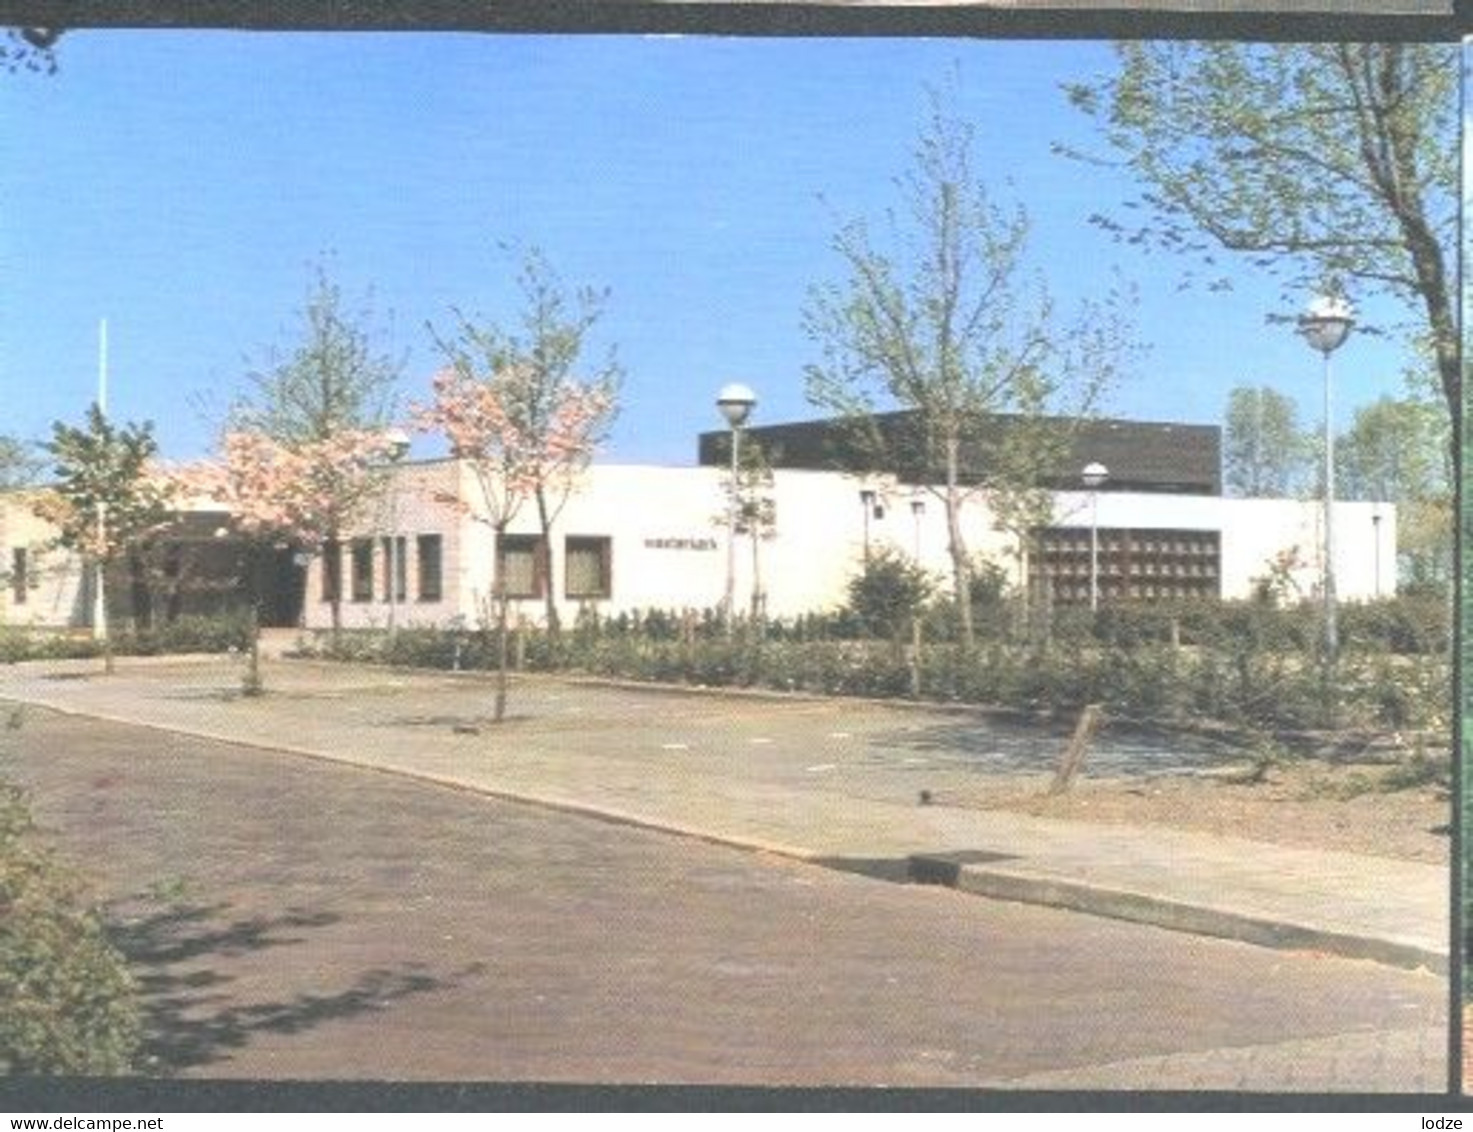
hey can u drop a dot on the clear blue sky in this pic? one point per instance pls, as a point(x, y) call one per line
point(181, 184)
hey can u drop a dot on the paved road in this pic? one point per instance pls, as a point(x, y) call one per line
point(806, 778)
point(315, 921)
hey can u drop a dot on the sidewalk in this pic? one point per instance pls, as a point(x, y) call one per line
point(827, 781)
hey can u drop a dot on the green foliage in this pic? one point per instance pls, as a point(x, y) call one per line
point(1417, 771)
point(537, 380)
point(67, 1002)
point(19, 644)
point(888, 593)
point(1413, 625)
point(185, 635)
point(942, 317)
point(19, 464)
point(1185, 664)
point(334, 379)
point(1399, 450)
point(108, 502)
point(1317, 161)
point(29, 49)
point(190, 635)
point(1265, 452)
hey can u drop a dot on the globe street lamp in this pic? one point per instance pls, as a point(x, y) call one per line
point(736, 402)
point(1325, 324)
point(397, 441)
point(1094, 475)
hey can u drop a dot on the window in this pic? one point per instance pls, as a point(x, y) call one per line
point(332, 570)
point(19, 576)
point(431, 553)
point(396, 554)
point(522, 563)
point(363, 569)
point(1138, 563)
point(587, 567)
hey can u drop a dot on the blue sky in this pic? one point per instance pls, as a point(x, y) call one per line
point(182, 185)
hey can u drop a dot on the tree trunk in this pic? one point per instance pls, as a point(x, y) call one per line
point(961, 569)
point(253, 685)
point(503, 654)
point(503, 651)
point(554, 624)
point(109, 661)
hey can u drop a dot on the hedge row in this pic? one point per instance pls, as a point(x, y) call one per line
point(185, 635)
point(1404, 626)
point(1244, 678)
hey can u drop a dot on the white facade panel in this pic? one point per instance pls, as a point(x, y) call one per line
point(666, 542)
point(53, 591)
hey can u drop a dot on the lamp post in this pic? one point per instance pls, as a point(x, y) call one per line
point(736, 402)
point(1325, 325)
point(398, 442)
point(917, 512)
point(867, 504)
point(1376, 543)
point(1094, 475)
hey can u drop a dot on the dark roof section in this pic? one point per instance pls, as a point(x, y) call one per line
point(1151, 456)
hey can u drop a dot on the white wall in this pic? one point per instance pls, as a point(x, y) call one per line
point(56, 596)
point(668, 532)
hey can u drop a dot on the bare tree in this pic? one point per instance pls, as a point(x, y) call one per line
point(949, 323)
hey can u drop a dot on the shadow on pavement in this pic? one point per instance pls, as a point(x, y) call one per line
point(940, 868)
point(190, 1017)
point(1008, 747)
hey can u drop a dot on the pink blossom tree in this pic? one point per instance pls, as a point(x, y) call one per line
point(513, 457)
point(559, 405)
point(307, 494)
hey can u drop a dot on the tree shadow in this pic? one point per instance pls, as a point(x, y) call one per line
point(190, 1017)
point(991, 747)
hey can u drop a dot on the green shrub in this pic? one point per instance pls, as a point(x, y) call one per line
point(185, 635)
point(67, 1002)
point(193, 634)
point(1406, 625)
point(19, 644)
point(1239, 663)
point(888, 592)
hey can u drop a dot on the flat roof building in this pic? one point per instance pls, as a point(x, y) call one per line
point(639, 537)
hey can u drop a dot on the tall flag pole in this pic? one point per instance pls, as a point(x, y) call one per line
point(99, 589)
point(102, 367)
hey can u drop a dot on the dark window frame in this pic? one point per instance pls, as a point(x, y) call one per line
point(20, 574)
point(523, 544)
point(332, 570)
point(1134, 564)
point(400, 563)
point(431, 582)
point(361, 556)
point(603, 545)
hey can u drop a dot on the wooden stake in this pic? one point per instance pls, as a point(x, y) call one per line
point(1079, 744)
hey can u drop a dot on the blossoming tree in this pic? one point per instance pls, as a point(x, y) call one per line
point(511, 460)
point(543, 382)
point(306, 494)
